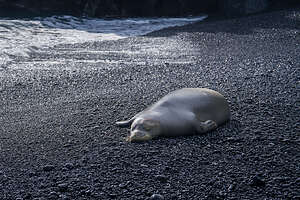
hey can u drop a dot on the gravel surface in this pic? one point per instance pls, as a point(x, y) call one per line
point(58, 108)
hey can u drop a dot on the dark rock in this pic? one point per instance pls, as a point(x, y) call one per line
point(161, 178)
point(156, 197)
point(124, 185)
point(234, 139)
point(84, 159)
point(112, 195)
point(53, 195)
point(3, 178)
point(233, 8)
point(63, 187)
point(32, 174)
point(88, 192)
point(69, 166)
point(64, 197)
point(140, 8)
point(28, 196)
point(257, 181)
point(280, 179)
point(148, 7)
point(231, 187)
point(48, 168)
point(31, 7)
point(125, 8)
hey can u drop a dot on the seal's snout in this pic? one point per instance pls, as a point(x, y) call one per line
point(139, 136)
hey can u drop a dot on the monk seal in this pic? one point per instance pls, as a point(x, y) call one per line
point(185, 111)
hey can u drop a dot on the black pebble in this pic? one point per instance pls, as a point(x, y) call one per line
point(156, 197)
point(257, 181)
point(53, 195)
point(63, 187)
point(48, 168)
point(162, 178)
point(69, 166)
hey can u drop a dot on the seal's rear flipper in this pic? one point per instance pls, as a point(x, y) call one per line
point(206, 126)
point(124, 124)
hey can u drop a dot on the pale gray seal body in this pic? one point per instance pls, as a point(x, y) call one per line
point(185, 111)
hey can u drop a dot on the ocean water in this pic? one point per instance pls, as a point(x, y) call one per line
point(20, 37)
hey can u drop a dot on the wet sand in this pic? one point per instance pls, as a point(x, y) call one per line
point(58, 108)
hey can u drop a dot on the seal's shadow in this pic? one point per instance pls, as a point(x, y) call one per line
point(231, 129)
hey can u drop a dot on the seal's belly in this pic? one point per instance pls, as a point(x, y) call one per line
point(178, 122)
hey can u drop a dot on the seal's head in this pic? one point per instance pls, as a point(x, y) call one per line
point(143, 130)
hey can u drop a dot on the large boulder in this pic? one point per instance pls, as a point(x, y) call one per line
point(184, 7)
point(100, 8)
point(148, 7)
point(232, 8)
point(139, 8)
point(131, 8)
point(40, 7)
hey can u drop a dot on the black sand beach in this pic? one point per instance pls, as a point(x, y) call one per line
point(58, 138)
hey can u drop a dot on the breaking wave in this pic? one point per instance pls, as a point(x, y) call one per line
point(19, 37)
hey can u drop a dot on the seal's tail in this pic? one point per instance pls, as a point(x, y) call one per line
point(124, 124)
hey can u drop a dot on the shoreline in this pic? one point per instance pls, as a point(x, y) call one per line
point(58, 138)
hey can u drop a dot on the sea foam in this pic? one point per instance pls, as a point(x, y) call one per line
point(20, 37)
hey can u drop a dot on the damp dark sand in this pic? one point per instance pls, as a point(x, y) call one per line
point(58, 139)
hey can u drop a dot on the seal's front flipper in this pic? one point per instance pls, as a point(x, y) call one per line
point(124, 124)
point(206, 126)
